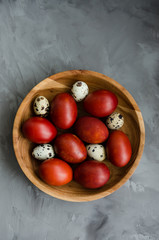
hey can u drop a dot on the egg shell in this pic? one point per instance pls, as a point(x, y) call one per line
point(43, 152)
point(96, 152)
point(115, 121)
point(41, 106)
point(79, 90)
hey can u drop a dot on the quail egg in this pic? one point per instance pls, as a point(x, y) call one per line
point(79, 91)
point(41, 106)
point(115, 121)
point(96, 152)
point(43, 152)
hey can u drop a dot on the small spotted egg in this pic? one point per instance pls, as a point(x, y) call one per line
point(96, 152)
point(41, 106)
point(115, 121)
point(79, 91)
point(43, 152)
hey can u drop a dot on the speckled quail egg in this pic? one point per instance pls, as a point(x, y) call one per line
point(79, 91)
point(96, 152)
point(115, 121)
point(41, 106)
point(43, 152)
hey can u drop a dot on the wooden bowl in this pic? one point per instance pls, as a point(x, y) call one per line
point(133, 127)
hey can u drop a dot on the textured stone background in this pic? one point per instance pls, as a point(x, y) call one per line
point(118, 38)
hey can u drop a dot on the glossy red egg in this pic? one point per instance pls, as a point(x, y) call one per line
point(92, 174)
point(100, 103)
point(63, 111)
point(70, 148)
point(118, 148)
point(91, 130)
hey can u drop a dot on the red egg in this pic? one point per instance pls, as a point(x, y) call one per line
point(55, 172)
point(63, 110)
point(70, 148)
point(92, 174)
point(91, 130)
point(100, 103)
point(118, 148)
point(39, 130)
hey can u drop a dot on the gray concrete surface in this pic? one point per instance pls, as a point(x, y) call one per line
point(118, 38)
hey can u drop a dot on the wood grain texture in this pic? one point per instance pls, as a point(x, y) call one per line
point(133, 127)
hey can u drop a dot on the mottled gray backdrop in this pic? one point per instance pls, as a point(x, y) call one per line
point(118, 38)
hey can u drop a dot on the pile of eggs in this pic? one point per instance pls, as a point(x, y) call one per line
point(89, 144)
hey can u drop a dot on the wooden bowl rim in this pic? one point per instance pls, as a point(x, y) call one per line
point(100, 194)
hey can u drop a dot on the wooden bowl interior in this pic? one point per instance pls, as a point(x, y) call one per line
point(49, 88)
